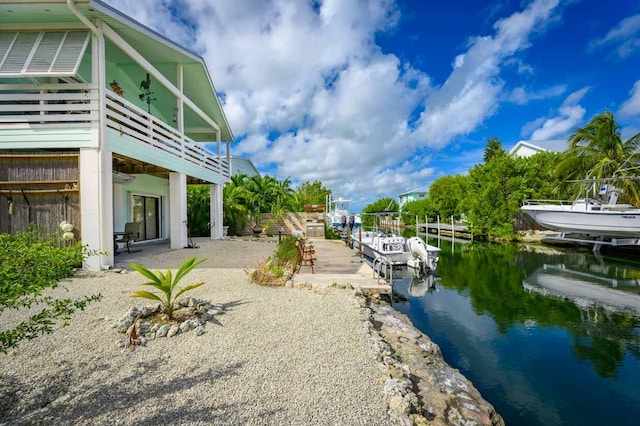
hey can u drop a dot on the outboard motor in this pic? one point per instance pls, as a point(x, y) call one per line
point(343, 221)
point(352, 221)
point(422, 259)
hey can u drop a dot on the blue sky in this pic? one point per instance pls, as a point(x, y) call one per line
point(377, 97)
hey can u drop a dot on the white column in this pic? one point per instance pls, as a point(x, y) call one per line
point(178, 210)
point(96, 190)
point(96, 206)
point(215, 192)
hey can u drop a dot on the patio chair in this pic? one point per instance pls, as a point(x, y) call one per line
point(131, 234)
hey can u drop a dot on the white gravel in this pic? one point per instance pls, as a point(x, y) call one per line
point(278, 356)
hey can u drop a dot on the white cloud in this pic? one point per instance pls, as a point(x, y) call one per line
point(521, 96)
point(310, 95)
point(471, 93)
point(631, 106)
point(624, 37)
point(569, 115)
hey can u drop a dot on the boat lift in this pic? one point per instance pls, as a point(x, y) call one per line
point(597, 241)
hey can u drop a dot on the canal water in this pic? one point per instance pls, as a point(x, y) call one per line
point(549, 337)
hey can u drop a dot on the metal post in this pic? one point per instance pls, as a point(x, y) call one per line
point(426, 228)
point(453, 229)
point(360, 241)
point(438, 222)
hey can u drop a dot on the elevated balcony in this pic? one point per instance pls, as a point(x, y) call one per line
point(74, 105)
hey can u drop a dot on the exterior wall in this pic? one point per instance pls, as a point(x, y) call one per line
point(46, 137)
point(243, 166)
point(142, 185)
point(51, 192)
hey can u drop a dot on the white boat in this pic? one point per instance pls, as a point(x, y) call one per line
point(338, 215)
point(394, 250)
point(600, 216)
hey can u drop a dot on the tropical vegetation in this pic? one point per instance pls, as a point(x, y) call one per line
point(382, 205)
point(489, 197)
point(31, 265)
point(166, 283)
point(245, 198)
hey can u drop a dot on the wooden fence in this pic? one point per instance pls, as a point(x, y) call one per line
point(39, 188)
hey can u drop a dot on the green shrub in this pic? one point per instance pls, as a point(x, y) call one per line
point(287, 250)
point(331, 233)
point(30, 264)
point(278, 269)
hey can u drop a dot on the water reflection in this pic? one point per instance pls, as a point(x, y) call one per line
point(542, 333)
point(586, 289)
point(417, 284)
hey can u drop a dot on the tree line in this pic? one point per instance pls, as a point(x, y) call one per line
point(489, 196)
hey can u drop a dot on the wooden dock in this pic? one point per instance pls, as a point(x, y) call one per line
point(455, 230)
point(338, 264)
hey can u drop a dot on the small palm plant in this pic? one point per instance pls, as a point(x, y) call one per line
point(167, 283)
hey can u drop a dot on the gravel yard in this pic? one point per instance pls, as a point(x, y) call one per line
point(277, 356)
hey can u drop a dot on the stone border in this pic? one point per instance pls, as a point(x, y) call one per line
point(420, 387)
point(201, 311)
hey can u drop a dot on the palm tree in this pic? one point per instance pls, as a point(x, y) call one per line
point(235, 201)
point(598, 151)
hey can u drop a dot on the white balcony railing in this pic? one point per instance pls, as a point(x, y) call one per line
point(43, 105)
point(132, 121)
point(67, 105)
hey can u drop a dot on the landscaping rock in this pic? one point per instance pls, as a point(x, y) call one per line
point(173, 330)
point(190, 314)
point(162, 331)
point(418, 372)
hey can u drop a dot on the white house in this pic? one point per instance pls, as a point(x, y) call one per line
point(529, 148)
point(243, 166)
point(103, 122)
point(412, 195)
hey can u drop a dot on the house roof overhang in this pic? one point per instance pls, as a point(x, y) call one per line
point(38, 15)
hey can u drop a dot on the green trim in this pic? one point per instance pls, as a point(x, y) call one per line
point(47, 137)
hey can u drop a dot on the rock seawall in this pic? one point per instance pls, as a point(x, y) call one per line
point(420, 387)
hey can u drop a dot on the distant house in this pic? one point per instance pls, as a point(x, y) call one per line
point(103, 122)
point(529, 148)
point(243, 166)
point(413, 195)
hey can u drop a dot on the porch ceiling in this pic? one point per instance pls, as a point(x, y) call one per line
point(136, 167)
point(158, 50)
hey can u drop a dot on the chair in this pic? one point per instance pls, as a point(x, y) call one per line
point(131, 234)
point(306, 255)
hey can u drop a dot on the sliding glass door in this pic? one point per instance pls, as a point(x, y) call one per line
point(146, 210)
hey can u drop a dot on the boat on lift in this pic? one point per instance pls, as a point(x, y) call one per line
point(338, 215)
point(598, 216)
